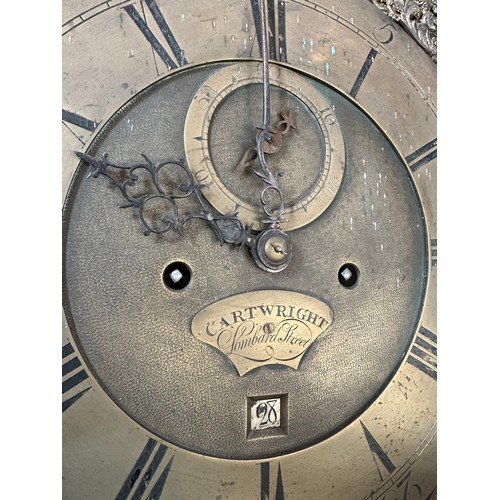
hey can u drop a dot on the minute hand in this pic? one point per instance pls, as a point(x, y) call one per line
point(273, 211)
point(264, 43)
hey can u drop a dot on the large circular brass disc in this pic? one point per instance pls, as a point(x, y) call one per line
point(135, 332)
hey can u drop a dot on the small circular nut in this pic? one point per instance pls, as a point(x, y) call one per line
point(273, 250)
point(276, 249)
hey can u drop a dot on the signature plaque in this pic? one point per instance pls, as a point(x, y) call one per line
point(267, 327)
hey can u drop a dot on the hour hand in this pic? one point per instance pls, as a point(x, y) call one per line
point(270, 249)
point(228, 228)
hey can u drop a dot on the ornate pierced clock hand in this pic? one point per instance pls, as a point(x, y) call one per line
point(326, 372)
point(270, 249)
point(229, 228)
point(273, 213)
point(273, 249)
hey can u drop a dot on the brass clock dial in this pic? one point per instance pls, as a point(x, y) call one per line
point(189, 371)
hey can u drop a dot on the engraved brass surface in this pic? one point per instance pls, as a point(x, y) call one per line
point(149, 411)
point(119, 308)
point(265, 327)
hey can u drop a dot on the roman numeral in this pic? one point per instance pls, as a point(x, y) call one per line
point(149, 469)
point(79, 121)
point(265, 482)
point(422, 156)
point(151, 38)
point(364, 71)
point(73, 376)
point(423, 354)
point(277, 28)
point(378, 452)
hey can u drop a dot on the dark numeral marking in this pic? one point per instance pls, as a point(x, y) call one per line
point(265, 482)
point(379, 452)
point(423, 354)
point(78, 120)
point(434, 252)
point(422, 156)
point(77, 379)
point(384, 34)
point(364, 71)
point(277, 30)
point(151, 38)
point(282, 31)
point(146, 472)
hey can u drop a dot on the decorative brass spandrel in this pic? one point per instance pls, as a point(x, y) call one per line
point(268, 327)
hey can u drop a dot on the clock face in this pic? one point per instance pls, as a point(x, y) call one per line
point(235, 328)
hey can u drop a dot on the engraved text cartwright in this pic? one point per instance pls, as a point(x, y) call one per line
point(272, 327)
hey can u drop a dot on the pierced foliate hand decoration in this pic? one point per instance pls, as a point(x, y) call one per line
point(229, 228)
point(203, 359)
point(271, 248)
point(264, 136)
point(274, 249)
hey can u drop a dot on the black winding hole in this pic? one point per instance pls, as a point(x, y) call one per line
point(348, 275)
point(177, 276)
